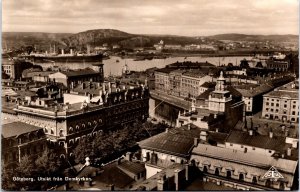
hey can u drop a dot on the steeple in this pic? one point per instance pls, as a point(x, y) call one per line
point(220, 86)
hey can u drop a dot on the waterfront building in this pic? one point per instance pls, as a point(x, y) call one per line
point(73, 78)
point(246, 158)
point(282, 104)
point(278, 64)
point(14, 68)
point(20, 139)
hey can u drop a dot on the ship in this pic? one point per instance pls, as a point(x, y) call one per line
point(41, 58)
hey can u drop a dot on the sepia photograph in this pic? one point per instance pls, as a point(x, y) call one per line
point(151, 95)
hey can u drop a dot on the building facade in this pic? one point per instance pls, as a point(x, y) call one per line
point(282, 104)
point(65, 124)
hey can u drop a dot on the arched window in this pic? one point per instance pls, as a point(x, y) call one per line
point(71, 142)
point(100, 120)
point(61, 133)
point(89, 124)
point(52, 131)
point(83, 125)
point(77, 127)
point(62, 156)
point(70, 129)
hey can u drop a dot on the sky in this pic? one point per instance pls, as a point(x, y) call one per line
point(174, 17)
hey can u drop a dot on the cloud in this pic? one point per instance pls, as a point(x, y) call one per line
point(181, 17)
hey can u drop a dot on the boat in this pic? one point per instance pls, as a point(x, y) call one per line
point(64, 58)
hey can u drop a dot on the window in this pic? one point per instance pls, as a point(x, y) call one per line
point(294, 113)
point(231, 144)
point(267, 103)
point(242, 146)
point(254, 179)
point(253, 148)
point(217, 172)
point(270, 151)
point(277, 104)
point(285, 106)
point(241, 176)
point(228, 173)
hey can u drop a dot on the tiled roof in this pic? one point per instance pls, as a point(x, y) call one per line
point(292, 95)
point(205, 94)
point(165, 70)
point(177, 141)
point(17, 128)
point(249, 158)
point(80, 72)
point(113, 175)
point(209, 85)
point(133, 167)
point(261, 141)
point(217, 136)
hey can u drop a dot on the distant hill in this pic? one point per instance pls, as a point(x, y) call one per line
point(98, 37)
point(244, 37)
point(39, 39)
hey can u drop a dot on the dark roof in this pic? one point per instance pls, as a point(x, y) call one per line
point(113, 175)
point(217, 137)
point(233, 91)
point(209, 84)
point(189, 64)
point(133, 167)
point(80, 72)
point(165, 70)
point(261, 141)
point(177, 141)
point(205, 94)
point(17, 128)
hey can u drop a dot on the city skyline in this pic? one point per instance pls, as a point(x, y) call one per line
point(191, 18)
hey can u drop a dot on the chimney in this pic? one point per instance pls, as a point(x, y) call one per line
point(217, 130)
point(87, 161)
point(71, 51)
point(62, 51)
point(177, 180)
point(187, 172)
point(128, 156)
point(167, 130)
point(271, 133)
point(161, 182)
point(251, 132)
point(111, 187)
point(289, 151)
point(286, 133)
point(109, 87)
point(189, 126)
point(203, 135)
point(282, 155)
point(195, 141)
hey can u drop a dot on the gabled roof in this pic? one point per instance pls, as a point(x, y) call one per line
point(133, 167)
point(17, 128)
point(177, 141)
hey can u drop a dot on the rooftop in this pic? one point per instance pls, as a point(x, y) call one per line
point(133, 167)
point(262, 141)
point(17, 128)
point(176, 141)
point(249, 158)
point(81, 72)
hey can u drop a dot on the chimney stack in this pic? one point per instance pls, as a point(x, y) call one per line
point(128, 156)
point(187, 172)
point(189, 126)
point(203, 135)
point(271, 133)
point(195, 141)
point(251, 132)
point(289, 151)
point(167, 130)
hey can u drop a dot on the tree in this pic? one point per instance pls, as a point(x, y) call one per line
point(7, 177)
point(25, 169)
point(48, 164)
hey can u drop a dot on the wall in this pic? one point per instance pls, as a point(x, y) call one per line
point(72, 98)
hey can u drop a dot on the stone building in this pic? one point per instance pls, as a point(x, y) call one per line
point(73, 78)
point(246, 158)
point(19, 139)
point(65, 124)
point(282, 104)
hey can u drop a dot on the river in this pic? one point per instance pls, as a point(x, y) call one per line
point(111, 66)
